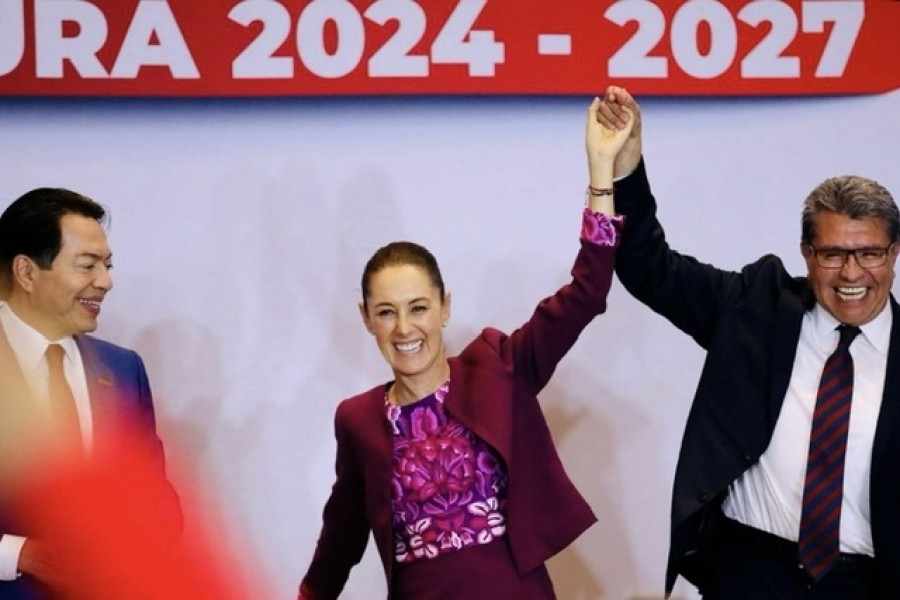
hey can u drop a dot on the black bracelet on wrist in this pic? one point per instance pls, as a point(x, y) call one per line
point(599, 191)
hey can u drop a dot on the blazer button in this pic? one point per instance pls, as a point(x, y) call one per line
point(702, 497)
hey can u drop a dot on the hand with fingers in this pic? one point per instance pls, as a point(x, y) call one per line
point(617, 111)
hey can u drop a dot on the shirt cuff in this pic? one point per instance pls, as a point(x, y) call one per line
point(600, 228)
point(10, 549)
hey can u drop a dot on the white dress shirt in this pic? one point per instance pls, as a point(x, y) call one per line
point(769, 495)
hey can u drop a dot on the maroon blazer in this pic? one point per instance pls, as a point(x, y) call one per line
point(494, 384)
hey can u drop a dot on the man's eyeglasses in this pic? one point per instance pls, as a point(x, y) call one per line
point(836, 258)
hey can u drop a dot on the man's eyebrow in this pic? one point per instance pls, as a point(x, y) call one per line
point(95, 256)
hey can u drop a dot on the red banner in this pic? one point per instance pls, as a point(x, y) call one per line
point(380, 47)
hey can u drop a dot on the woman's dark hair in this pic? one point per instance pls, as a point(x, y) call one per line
point(398, 254)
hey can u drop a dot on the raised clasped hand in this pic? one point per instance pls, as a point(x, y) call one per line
point(614, 131)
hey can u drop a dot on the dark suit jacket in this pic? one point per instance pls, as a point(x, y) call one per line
point(749, 324)
point(120, 396)
point(494, 384)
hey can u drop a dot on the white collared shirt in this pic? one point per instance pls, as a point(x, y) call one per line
point(28, 346)
point(769, 495)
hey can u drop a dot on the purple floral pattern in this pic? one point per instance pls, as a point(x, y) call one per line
point(449, 486)
point(600, 228)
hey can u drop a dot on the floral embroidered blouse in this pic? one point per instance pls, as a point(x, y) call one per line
point(449, 487)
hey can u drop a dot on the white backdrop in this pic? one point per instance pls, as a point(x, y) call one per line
point(240, 228)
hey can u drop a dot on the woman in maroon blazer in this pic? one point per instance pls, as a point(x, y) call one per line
point(451, 465)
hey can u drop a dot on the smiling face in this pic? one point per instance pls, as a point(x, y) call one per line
point(65, 299)
point(405, 312)
point(852, 294)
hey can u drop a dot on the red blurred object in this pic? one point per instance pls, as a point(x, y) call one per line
point(115, 525)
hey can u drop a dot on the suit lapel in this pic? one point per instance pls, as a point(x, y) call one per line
point(890, 403)
point(23, 421)
point(788, 321)
point(478, 398)
point(12, 381)
point(100, 383)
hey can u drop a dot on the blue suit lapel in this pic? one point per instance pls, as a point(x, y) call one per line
point(101, 383)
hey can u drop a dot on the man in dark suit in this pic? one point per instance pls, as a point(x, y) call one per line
point(55, 273)
point(745, 494)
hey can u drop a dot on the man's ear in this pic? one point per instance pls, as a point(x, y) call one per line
point(23, 271)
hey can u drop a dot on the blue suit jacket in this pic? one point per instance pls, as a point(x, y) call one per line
point(749, 324)
point(119, 389)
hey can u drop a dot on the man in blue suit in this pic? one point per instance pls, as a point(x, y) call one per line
point(55, 266)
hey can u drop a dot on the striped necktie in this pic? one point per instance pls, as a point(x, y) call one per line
point(819, 546)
